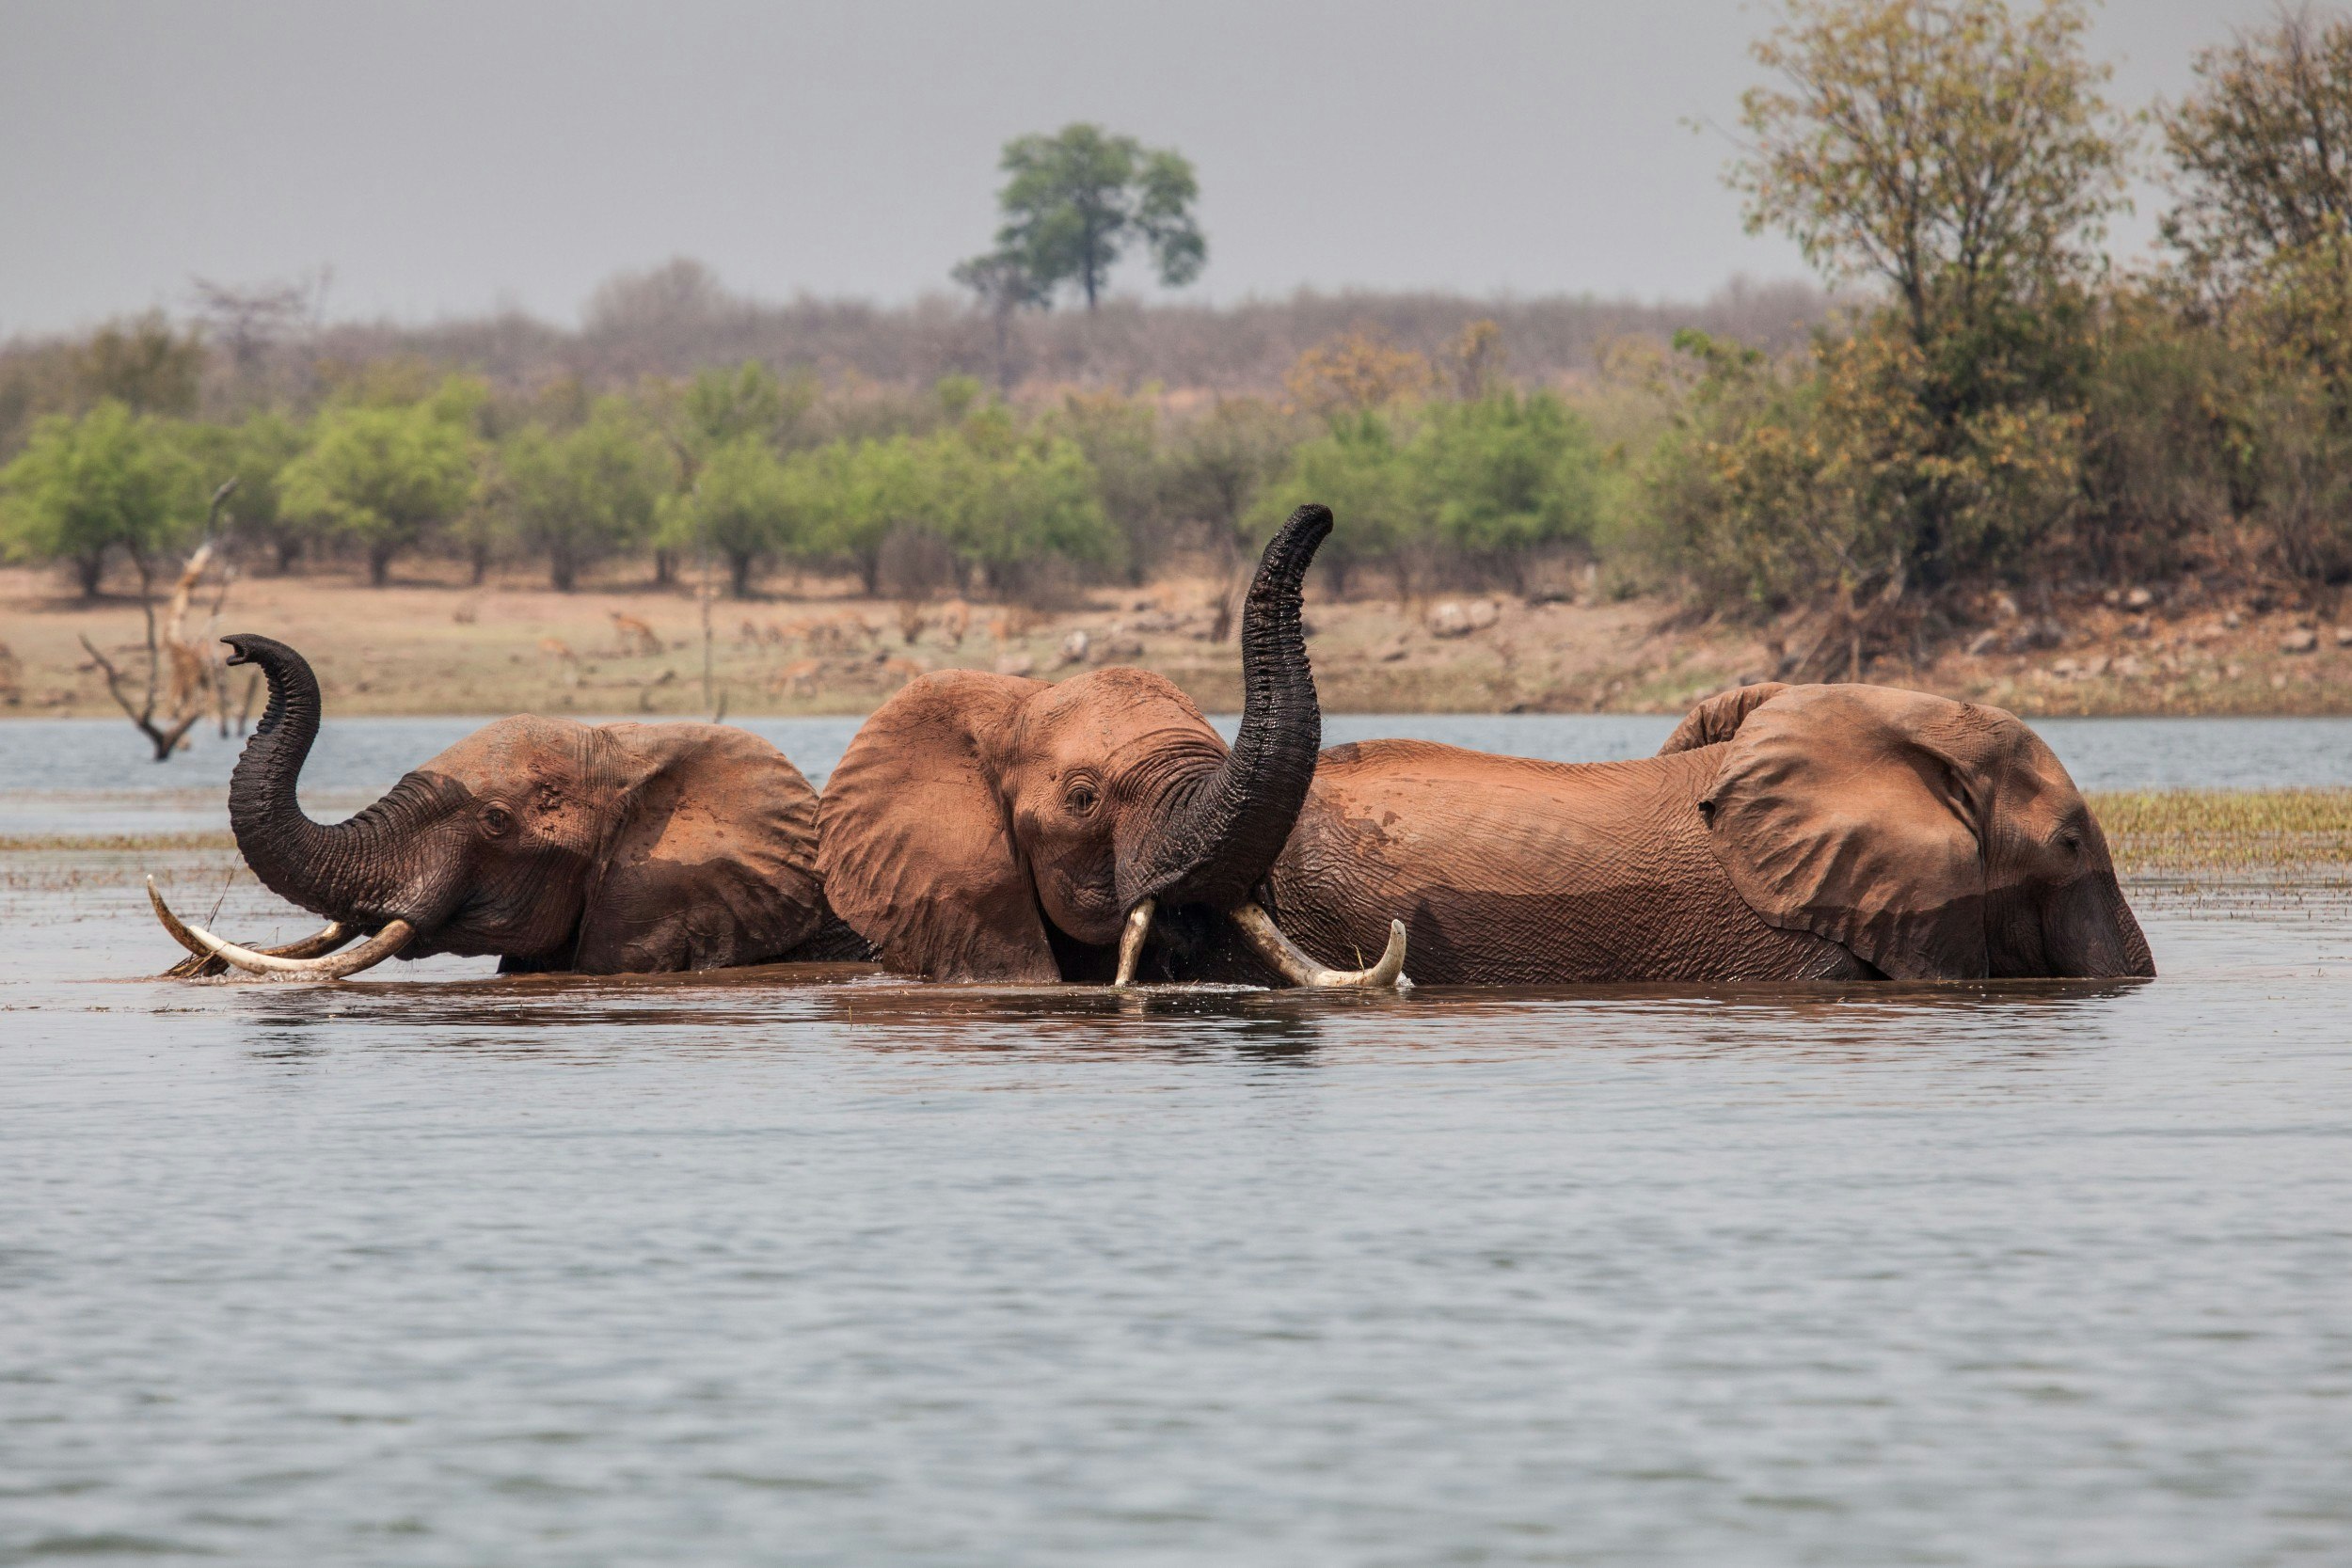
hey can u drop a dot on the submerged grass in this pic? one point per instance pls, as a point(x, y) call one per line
point(2226, 829)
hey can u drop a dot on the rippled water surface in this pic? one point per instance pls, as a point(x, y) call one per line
point(816, 1267)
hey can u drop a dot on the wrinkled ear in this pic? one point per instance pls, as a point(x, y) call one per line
point(915, 844)
point(713, 862)
point(1838, 811)
point(1718, 717)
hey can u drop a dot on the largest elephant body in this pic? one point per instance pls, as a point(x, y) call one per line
point(1508, 871)
point(1785, 833)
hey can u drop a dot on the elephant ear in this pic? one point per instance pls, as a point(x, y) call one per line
point(1843, 811)
point(915, 844)
point(713, 862)
point(1718, 717)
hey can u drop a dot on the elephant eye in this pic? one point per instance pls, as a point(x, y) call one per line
point(1080, 799)
point(496, 820)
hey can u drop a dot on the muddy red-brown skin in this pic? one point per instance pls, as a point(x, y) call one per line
point(1811, 833)
point(608, 849)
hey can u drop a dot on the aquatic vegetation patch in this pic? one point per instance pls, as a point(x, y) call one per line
point(2225, 830)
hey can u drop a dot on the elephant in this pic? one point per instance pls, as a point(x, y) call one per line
point(1813, 833)
point(988, 827)
point(599, 850)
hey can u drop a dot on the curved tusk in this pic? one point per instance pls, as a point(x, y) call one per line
point(1131, 941)
point(1266, 940)
point(204, 961)
point(373, 951)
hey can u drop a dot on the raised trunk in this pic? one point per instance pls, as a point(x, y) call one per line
point(1219, 845)
point(350, 872)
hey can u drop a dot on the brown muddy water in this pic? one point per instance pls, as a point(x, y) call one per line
point(817, 1267)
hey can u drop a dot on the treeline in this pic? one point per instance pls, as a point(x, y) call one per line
point(1441, 465)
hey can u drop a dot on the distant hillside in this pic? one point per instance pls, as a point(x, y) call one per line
point(677, 319)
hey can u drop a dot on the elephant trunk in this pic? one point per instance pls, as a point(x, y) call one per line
point(1218, 842)
point(354, 871)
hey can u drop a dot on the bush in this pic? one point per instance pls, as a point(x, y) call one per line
point(578, 497)
point(385, 475)
point(84, 488)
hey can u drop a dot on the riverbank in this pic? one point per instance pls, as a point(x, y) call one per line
point(427, 646)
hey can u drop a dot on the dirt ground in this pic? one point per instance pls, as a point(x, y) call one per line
point(441, 646)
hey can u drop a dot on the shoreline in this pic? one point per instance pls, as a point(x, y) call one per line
point(448, 648)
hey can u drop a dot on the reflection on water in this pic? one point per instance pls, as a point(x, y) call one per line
point(816, 1266)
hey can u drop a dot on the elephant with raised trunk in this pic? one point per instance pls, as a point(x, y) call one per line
point(602, 850)
point(988, 827)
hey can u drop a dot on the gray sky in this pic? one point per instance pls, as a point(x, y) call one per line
point(448, 158)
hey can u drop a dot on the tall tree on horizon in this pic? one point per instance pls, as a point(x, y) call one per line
point(1075, 202)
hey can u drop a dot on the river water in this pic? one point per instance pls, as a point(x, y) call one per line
point(819, 1267)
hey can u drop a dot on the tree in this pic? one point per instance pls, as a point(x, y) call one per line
point(1121, 438)
point(384, 475)
point(254, 454)
point(1074, 203)
point(578, 496)
point(1503, 475)
point(1960, 155)
point(2262, 150)
point(84, 488)
point(745, 504)
point(1964, 157)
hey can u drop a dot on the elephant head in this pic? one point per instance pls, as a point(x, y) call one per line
point(601, 848)
point(1933, 839)
point(986, 827)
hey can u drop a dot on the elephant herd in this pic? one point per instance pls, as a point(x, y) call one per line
point(989, 827)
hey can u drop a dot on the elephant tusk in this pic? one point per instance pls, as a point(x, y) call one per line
point(1266, 940)
point(204, 961)
point(373, 951)
point(1131, 941)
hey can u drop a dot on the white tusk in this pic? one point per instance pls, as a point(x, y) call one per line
point(332, 935)
point(1131, 941)
point(373, 951)
point(1266, 940)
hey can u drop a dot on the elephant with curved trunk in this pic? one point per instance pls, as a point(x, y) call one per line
point(990, 827)
point(602, 849)
point(1782, 834)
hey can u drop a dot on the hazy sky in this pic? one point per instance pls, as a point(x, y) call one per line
point(451, 157)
